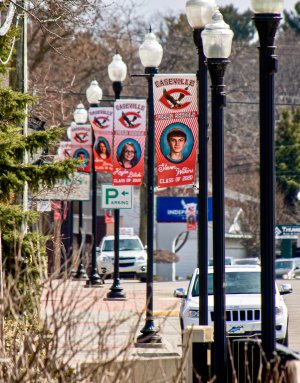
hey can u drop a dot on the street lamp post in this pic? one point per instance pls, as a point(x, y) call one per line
point(199, 13)
point(80, 273)
point(117, 71)
point(80, 118)
point(94, 96)
point(151, 55)
point(267, 18)
point(217, 39)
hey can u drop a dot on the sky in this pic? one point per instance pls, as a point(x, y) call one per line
point(153, 6)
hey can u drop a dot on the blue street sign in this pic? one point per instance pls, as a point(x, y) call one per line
point(172, 209)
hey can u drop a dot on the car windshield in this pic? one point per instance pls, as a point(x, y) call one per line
point(130, 244)
point(227, 261)
point(237, 282)
point(284, 264)
point(246, 262)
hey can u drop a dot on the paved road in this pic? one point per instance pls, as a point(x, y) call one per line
point(293, 303)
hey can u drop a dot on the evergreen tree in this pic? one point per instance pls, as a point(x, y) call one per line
point(18, 249)
point(240, 23)
point(288, 156)
point(292, 19)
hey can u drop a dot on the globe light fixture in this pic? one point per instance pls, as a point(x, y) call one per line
point(267, 6)
point(94, 93)
point(80, 114)
point(151, 51)
point(117, 69)
point(199, 12)
point(217, 38)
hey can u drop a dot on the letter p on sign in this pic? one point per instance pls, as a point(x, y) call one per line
point(111, 194)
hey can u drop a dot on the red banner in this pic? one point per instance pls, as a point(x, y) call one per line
point(176, 128)
point(101, 119)
point(191, 216)
point(129, 141)
point(81, 143)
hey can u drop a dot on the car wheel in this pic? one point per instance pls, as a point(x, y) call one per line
point(143, 279)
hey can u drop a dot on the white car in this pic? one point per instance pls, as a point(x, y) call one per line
point(133, 257)
point(243, 303)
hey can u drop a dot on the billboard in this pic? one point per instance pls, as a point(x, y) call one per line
point(173, 209)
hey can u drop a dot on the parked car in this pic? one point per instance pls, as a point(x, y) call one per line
point(246, 261)
point(133, 257)
point(286, 268)
point(243, 303)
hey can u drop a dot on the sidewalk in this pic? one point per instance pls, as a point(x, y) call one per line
point(90, 328)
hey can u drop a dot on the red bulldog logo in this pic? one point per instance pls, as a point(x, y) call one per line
point(130, 120)
point(174, 98)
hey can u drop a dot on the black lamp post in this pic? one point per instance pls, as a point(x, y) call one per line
point(117, 71)
point(267, 18)
point(80, 117)
point(217, 39)
point(199, 13)
point(80, 273)
point(151, 55)
point(94, 96)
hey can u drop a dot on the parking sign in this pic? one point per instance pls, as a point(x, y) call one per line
point(116, 197)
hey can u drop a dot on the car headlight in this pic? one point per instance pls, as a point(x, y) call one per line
point(279, 310)
point(141, 258)
point(193, 314)
point(106, 259)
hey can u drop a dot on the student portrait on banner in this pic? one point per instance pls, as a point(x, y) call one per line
point(176, 142)
point(102, 148)
point(128, 156)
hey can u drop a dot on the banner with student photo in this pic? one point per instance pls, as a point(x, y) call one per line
point(176, 128)
point(84, 154)
point(129, 142)
point(81, 144)
point(101, 119)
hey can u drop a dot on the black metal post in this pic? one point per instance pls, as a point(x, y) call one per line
point(267, 25)
point(94, 277)
point(80, 273)
point(116, 291)
point(216, 69)
point(149, 331)
point(203, 179)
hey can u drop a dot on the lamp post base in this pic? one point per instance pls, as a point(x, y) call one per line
point(149, 335)
point(116, 291)
point(94, 280)
point(80, 273)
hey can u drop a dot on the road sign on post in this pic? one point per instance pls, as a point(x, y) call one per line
point(116, 197)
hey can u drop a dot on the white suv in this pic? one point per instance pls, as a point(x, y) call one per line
point(133, 257)
point(243, 303)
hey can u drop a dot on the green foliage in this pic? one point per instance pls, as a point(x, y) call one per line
point(22, 252)
point(288, 155)
point(240, 23)
point(292, 19)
